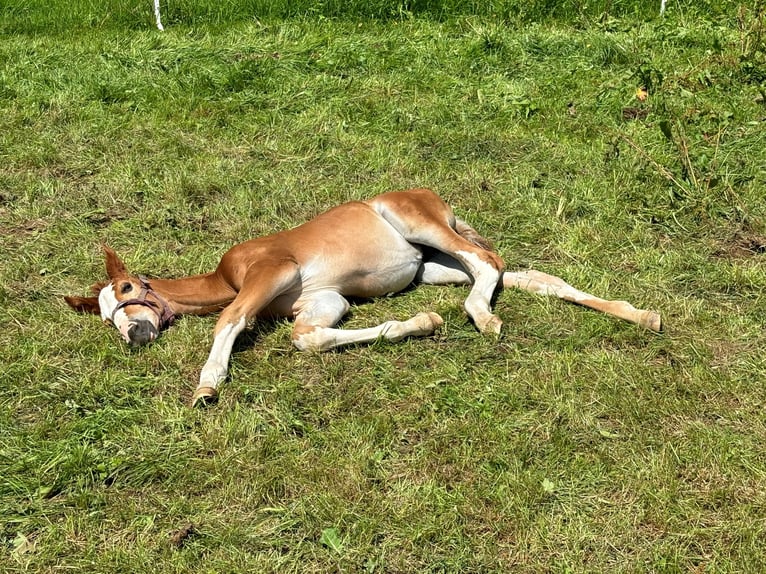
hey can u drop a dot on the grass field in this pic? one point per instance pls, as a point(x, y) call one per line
point(621, 151)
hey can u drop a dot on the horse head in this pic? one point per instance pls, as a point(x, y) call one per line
point(126, 301)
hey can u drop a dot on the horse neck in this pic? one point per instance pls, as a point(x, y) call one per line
point(196, 295)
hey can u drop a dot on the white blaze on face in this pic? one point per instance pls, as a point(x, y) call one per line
point(107, 302)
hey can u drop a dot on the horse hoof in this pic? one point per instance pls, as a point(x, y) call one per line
point(492, 326)
point(652, 321)
point(428, 322)
point(204, 396)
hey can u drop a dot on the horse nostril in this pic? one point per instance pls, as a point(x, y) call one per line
point(142, 332)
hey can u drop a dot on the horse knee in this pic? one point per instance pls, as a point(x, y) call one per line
point(308, 338)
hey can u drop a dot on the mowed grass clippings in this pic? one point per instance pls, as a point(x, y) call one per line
point(625, 155)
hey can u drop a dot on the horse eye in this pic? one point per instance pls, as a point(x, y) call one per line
point(126, 288)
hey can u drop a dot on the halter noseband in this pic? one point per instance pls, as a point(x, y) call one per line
point(161, 309)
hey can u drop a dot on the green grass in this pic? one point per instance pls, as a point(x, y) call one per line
point(571, 443)
point(29, 16)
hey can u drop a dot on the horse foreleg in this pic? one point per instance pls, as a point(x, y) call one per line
point(544, 284)
point(217, 365)
point(259, 288)
point(313, 330)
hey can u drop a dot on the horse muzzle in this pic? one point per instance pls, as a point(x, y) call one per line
point(140, 332)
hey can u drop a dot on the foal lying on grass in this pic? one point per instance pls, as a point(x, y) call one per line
point(358, 249)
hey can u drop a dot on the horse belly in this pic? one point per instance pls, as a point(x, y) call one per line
point(354, 251)
point(386, 279)
point(370, 273)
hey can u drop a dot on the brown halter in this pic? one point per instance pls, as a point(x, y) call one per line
point(161, 308)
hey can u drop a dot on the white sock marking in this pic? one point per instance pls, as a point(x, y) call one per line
point(217, 365)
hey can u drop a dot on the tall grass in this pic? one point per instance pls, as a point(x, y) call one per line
point(621, 151)
point(36, 16)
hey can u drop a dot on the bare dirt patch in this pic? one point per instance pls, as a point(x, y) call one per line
point(742, 244)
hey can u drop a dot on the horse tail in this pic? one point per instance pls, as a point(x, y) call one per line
point(469, 233)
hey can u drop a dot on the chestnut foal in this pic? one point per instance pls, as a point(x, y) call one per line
point(358, 249)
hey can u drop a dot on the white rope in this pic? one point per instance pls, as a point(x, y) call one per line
point(159, 21)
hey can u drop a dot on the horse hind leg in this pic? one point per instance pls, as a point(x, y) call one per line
point(486, 269)
point(544, 284)
point(420, 216)
point(314, 325)
point(443, 270)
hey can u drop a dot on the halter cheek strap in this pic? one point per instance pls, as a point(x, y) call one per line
point(160, 307)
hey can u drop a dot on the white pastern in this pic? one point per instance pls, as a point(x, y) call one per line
point(217, 365)
point(477, 304)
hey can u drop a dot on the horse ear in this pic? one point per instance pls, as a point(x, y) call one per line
point(83, 304)
point(114, 265)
